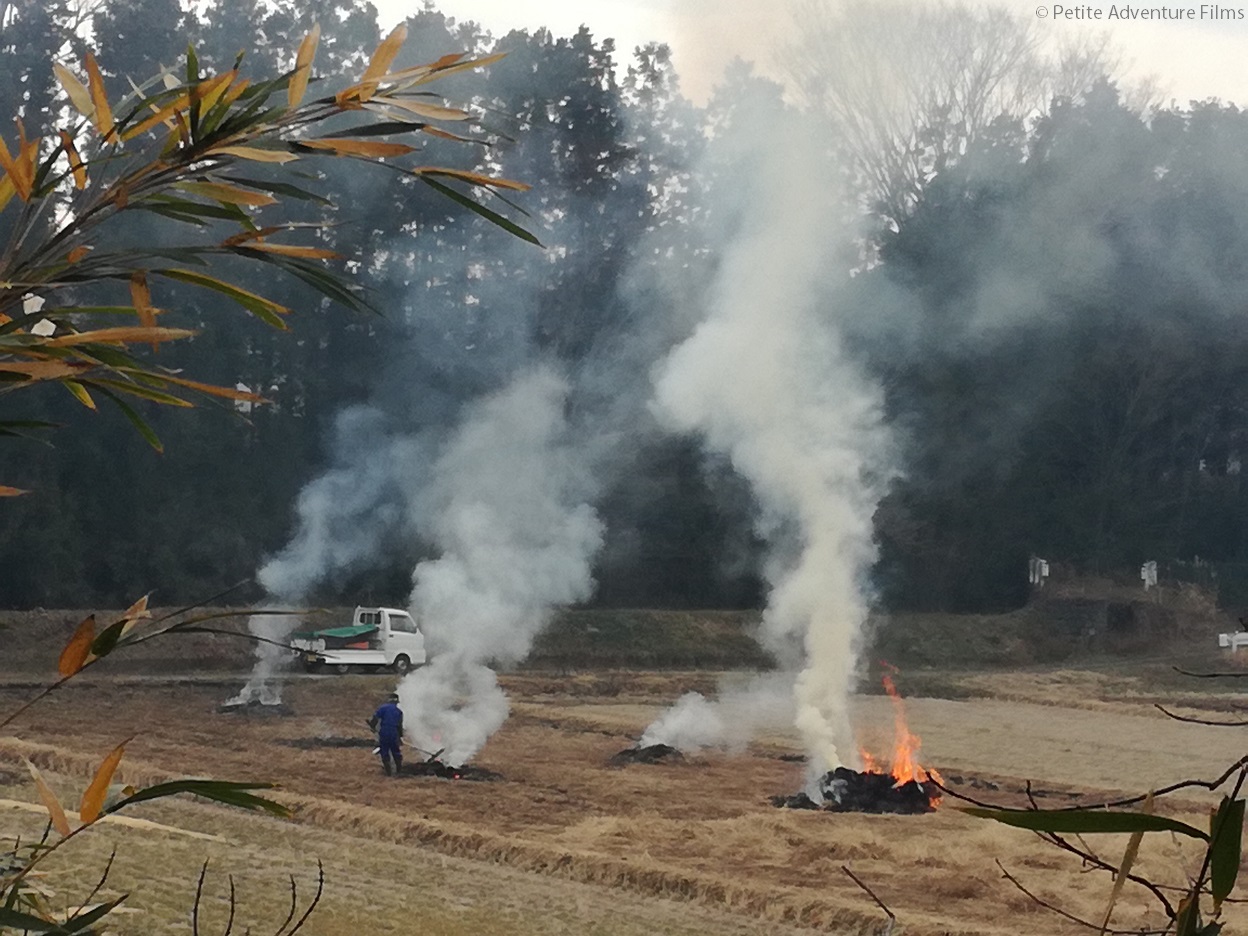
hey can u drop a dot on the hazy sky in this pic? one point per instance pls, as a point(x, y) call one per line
point(1194, 58)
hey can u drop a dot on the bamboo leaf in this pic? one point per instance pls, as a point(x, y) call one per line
point(1124, 868)
point(381, 61)
point(136, 420)
point(93, 799)
point(291, 250)
point(474, 178)
point(80, 393)
point(421, 109)
point(164, 115)
point(492, 216)
point(141, 296)
point(229, 194)
point(50, 802)
point(303, 67)
point(26, 923)
point(76, 653)
point(15, 171)
point(285, 188)
point(370, 148)
point(102, 114)
point(79, 96)
point(1084, 821)
point(76, 165)
point(265, 309)
point(450, 69)
point(121, 335)
point(142, 391)
point(228, 393)
point(1227, 830)
point(81, 921)
point(256, 154)
point(6, 491)
point(389, 128)
point(221, 791)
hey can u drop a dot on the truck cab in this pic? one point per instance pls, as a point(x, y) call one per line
point(377, 638)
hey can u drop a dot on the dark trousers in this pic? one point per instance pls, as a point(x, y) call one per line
point(390, 751)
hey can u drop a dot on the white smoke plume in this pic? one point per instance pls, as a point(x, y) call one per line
point(508, 507)
point(344, 517)
point(765, 380)
point(735, 717)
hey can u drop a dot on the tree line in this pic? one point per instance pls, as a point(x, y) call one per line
point(1050, 291)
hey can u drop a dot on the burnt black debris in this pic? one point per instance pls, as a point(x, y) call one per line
point(441, 771)
point(846, 790)
point(650, 754)
point(255, 709)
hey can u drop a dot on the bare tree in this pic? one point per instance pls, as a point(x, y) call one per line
point(908, 87)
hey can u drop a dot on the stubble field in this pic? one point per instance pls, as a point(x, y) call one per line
point(563, 843)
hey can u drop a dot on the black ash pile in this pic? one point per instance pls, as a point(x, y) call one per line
point(255, 708)
point(845, 790)
point(309, 744)
point(649, 754)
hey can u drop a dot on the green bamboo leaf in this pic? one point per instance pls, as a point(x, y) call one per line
point(141, 391)
point(25, 922)
point(472, 205)
point(136, 420)
point(1084, 821)
point(220, 791)
point(387, 128)
point(320, 280)
point(1226, 827)
point(265, 309)
point(106, 640)
point(77, 924)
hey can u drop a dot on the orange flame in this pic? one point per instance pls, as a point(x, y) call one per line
point(905, 764)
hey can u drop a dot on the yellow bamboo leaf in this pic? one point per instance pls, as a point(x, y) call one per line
point(80, 393)
point(135, 613)
point(453, 66)
point(371, 148)
point(235, 91)
point(476, 178)
point(13, 172)
point(228, 393)
point(43, 370)
point(303, 67)
point(230, 194)
point(78, 253)
point(1128, 861)
point(79, 96)
point(420, 109)
point(75, 160)
point(7, 190)
point(102, 115)
point(141, 298)
point(256, 154)
point(121, 335)
point(6, 491)
point(93, 799)
point(50, 802)
point(290, 250)
point(76, 652)
point(209, 91)
point(381, 61)
point(160, 115)
point(27, 158)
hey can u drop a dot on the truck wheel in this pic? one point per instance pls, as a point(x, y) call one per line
point(342, 669)
point(402, 664)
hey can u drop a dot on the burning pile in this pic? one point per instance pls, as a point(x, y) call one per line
point(646, 754)
point(433, 767)
point(904, 787)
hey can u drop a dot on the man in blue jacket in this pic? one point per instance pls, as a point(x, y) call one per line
point(387, 721)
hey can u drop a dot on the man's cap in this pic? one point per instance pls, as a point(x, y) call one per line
point(394, 697)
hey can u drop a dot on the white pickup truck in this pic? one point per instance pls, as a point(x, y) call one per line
point(377, 638)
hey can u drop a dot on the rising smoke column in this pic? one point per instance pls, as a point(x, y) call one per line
point(344, 517)
point(766, 380)
point(508, 506)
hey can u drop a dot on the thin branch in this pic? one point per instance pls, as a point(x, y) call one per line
point(100, 883)
point(229, 924)
point(199, 893)
point(1243, 675)
point(1199, 721)
point(1070, 916)
point(892, 917)
point(316, 899)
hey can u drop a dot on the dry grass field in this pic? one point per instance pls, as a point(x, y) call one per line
point(562, 843)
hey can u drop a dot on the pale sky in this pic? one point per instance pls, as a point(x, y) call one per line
point(1193, 58)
